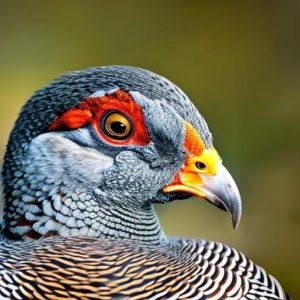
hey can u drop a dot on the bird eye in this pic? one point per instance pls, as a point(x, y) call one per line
point(116, 125)
point(200, 165)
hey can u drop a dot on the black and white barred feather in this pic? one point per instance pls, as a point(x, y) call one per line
point(131, 258)
point(85, 268)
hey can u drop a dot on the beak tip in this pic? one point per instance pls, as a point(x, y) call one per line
point(236, 214)
point(235, 222)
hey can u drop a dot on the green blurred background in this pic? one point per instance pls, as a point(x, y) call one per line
point(239, 61)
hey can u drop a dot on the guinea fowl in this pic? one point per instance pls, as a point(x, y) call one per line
point(88, 156)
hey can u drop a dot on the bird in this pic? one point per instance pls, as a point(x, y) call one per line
point(88, 157)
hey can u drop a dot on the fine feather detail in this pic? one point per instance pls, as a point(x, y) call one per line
point(85, 268)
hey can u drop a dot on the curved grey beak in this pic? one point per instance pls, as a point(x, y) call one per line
point(218, 188)
point(221, 190)
point(203, 175)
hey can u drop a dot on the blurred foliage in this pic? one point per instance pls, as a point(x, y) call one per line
point(237, 60)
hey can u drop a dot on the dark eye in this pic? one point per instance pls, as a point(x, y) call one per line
point(116, 125)
point(200, 165)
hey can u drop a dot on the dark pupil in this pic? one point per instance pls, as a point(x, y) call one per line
point(200, 165)
point(118, 127)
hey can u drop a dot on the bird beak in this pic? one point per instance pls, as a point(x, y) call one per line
point(205, 177)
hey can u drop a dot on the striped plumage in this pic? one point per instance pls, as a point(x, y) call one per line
point(89, 155)
point(58, 268)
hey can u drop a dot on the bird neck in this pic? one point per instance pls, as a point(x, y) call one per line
point(34, 215)
point(129, 223)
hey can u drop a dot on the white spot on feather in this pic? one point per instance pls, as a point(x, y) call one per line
point(98, 94)
point(51, 225)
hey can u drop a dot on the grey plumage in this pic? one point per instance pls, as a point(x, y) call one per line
point(79, 220)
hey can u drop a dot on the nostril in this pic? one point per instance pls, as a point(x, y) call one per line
point(200, 165)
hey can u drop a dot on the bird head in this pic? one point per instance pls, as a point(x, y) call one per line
point(110, 137)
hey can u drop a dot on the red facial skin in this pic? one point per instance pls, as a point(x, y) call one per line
point(91, 110)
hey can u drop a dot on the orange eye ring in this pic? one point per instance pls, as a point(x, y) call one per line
point(116, 125)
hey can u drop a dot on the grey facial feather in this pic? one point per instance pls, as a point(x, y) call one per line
point(53, 155)
point(75, 183)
